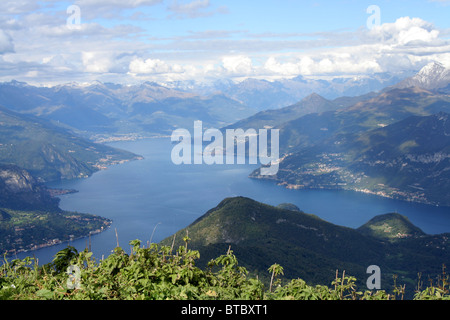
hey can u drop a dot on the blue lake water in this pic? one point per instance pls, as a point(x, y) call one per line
point(153, 198)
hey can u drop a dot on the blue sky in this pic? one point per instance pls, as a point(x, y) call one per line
point(204, 40)
point(285, 16)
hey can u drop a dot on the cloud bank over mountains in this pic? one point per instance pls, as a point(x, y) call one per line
point(123, 42)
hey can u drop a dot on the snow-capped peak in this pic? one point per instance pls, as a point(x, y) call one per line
point(433, 70)
point(432, 76)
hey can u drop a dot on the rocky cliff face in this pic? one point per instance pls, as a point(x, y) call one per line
point(19, 190)
point(16, 180)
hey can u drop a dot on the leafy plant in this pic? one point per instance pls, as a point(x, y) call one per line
point(156, 272)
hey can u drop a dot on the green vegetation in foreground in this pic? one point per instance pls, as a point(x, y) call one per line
point(158, 273)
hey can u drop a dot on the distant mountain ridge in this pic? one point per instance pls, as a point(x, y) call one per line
point(315, 118)
point(384, 109)
point(99, 110)
point(264, 94)
point(50, 152)
point(314, 103)
point(106, 109)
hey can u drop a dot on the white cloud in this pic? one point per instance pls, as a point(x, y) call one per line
point(287, 69)
point(18, 6)
point(417, 35)
point(405, 31)
point(6, 43)
point(238, 65)
point(324, 63)
point(97, 62)
point(153, 66)
point(404, 44)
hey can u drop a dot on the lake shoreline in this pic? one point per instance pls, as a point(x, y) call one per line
point(381, 194)
point(139, 195)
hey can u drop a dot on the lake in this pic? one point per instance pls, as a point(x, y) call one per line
point(153, 198)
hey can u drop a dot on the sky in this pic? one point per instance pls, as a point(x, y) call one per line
point(53, 42)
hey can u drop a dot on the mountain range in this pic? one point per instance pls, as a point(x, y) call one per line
point(393, 143)
point(313, 103)
point(263, 94)
point(315, 117)
point(103, 109)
